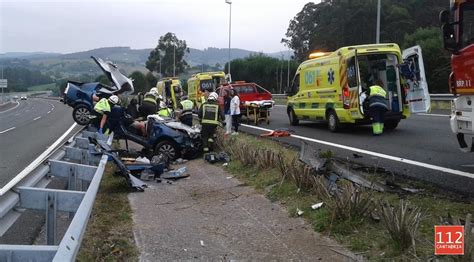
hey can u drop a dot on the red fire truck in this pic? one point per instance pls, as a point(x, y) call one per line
point(458, 36)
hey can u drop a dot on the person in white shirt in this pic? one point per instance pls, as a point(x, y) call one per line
point(235, 111)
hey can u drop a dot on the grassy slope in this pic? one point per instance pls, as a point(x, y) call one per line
point(366, 237)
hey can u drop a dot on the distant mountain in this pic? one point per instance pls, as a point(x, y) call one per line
point(28, 55)
point(74, 64)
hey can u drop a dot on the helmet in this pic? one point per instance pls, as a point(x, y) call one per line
point(154, 91)
point(114, 99)
point(162, 105)
point(212, 96)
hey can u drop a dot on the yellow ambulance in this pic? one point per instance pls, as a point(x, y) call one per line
point(329, 86)
point(170, 89)
point(203, 81)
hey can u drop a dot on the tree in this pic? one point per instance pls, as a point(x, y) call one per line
point(103, 79)
point(150, 80)
point(436, 59)
point(169, 49)
point(139, 82)
point(266, 71)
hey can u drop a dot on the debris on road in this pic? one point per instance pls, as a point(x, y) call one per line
point(316, 206)
point(299, 212)
point(353, 176)
point(176, 174)
point(309, 156)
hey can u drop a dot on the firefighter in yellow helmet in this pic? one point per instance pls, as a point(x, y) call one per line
point(210, 115)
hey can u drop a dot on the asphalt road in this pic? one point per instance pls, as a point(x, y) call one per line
point(27, 130)
point(423, 138)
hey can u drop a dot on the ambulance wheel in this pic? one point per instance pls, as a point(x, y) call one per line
point(292, 117)
point(81, 114)
point(390, 125)
point(167, 148)
point(333, 121)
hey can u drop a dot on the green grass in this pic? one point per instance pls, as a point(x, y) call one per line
point(368, 237)
point(109, 235)
point(44, 87)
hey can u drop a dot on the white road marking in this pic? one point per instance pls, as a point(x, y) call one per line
point(367, 152)
point(423, 114)
point(6, 130)
point(36, 118)
point(49, 112)
point(35, 163)
point(17, 104)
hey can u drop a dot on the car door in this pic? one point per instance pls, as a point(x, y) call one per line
point(413, 69)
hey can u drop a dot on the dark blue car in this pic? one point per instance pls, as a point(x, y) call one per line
point(81, 96)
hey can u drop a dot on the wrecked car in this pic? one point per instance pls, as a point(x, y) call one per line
point(80, 96)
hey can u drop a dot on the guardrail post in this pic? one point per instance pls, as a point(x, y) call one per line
point(51, 211)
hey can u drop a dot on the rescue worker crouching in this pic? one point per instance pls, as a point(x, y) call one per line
point(186, 115)
point(103, 109)
point(210, 115)
point(164, 110)
point(378, 105)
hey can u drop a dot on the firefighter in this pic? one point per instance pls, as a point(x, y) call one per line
point(204, 96)
point(378, 105)
point(186, 114)
point(164, 110)
point(210, 115)
point(103, 109)
point(148, 106)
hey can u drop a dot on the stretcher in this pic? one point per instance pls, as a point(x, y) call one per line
point(256, 111)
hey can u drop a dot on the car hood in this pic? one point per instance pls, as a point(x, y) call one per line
point(122, 84)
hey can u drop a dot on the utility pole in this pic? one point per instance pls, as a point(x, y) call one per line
point(288, 76)
point(174, 60)
point(230, 26)
point(377, 39)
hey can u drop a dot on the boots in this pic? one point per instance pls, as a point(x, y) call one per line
point(377, 128)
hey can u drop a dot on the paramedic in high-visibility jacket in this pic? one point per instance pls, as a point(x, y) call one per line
point(378, 105)
point(210, 115)
point(102, 110)
point(186, 115)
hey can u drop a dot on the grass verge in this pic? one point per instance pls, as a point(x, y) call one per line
point(367, 236)
point(109, 235)
point(44, 87)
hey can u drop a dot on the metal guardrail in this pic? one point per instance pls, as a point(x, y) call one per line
point(83, 171)
point(434, 97)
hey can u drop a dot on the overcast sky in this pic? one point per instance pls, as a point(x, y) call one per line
point(71, 26)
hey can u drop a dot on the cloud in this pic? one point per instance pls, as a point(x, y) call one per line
point(71, 26)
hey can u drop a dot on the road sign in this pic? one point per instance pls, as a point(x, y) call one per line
point(3, 83)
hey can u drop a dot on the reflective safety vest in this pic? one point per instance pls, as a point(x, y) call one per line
point(203, 99)
point(187, 105)
point(102, 106)
point(210, 114)
point(377, 97)
point(376, 90)
point(150, 98)
point(164, 112)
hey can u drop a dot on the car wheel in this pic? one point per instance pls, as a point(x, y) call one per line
point(167, 148)
point(390, 125)
point(292, 117)
point(333, 121)
point(81, 114)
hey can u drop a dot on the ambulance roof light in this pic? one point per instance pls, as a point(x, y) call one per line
point(318, 54)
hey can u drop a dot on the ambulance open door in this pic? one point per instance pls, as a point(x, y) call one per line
point(413, 70)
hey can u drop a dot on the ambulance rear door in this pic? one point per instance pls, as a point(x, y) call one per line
point(413, 69)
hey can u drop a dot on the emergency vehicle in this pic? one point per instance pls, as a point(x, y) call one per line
point(203, 81)
point(328, 86)
point(170, 89)
point(458, 36)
